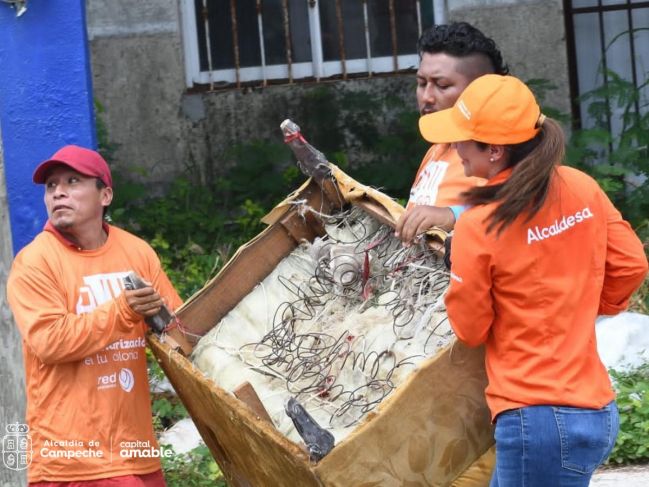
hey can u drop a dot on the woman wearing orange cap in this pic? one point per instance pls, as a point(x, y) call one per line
point(538, 254)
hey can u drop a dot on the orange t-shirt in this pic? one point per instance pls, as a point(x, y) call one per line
point(88, 403)
point(440, 179)
point(532, 294)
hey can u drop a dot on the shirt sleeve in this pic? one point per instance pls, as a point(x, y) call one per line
point(469, 302)
point(626, 262)
point(54, 334)
point(458, 210)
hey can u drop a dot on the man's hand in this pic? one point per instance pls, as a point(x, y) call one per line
point(144, 301)
point(420, 219)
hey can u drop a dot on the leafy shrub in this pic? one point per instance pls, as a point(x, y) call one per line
point(196, 468)
point(632, 444)
point(165, 406)
point(194, 228)
point(617, 159)
point(190, 227)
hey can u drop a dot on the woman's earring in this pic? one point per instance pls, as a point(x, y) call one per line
point(491, 159)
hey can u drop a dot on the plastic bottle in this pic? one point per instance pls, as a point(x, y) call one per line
point(311, 161)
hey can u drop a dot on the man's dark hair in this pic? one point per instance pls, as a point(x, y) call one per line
point(460, 39)
point(101, 185)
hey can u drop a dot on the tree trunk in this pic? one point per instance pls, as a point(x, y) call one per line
point(12, 385)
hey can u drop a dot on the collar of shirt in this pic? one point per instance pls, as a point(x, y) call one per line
point(501, 177)
point(50, 228)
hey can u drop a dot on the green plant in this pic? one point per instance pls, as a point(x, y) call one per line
point(106, 147)
point(196, 468)
point(394, 156)
point(640, 299)
point(193, 227)
point(614, 145)
point(542, 88)
point(616, 155)
point(632, 444)
point(165, 406)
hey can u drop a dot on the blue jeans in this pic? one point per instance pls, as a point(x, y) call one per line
point(552, 446)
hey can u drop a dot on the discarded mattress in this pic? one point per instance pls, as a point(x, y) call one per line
point(432, 428)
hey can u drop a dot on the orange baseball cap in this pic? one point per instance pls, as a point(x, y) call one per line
point(493, 109)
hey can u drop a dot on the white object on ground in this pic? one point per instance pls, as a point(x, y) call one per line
point(160, 385)
point(634, 476)
point(182, 436)
point(623, 340)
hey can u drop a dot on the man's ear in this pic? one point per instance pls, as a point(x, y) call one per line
point(106, 196)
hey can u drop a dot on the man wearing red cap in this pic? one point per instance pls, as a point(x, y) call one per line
point(451, 56)
point(88, 405)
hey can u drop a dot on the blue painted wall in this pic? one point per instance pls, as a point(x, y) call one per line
point(45, 99)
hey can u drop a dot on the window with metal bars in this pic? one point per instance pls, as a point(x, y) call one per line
point(607, 35)
point(231, 42)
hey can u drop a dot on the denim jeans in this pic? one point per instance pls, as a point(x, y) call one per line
point(552, 446)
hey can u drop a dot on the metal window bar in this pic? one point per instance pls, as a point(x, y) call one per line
point(316, 36)
point(634, 74)
point(368, 46)
point(235, 41)
point(237, 74)
point(393, 35)
point(341, 38)
point(439, 11)
point(599, 9)
point(602, 47)
point(287, 40)
point(262, 47)
point(573, 80)
point(206, 21)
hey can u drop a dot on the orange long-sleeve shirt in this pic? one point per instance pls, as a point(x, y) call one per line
point(88, 404)
point(532, 294)
point(440, 178)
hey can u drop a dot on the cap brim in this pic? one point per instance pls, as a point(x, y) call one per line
point(441, 127)
point(41, 171)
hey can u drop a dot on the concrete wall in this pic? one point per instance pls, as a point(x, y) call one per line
point(138, 75)
point(12, 375)
point(531, 36)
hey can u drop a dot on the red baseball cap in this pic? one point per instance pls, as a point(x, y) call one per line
point(85, 161)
